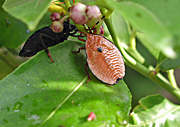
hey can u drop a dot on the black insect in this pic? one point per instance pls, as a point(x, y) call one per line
point(45, 37)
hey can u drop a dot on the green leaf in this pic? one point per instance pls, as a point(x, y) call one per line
point(165, 63)
point(146, 23)
point(155, 110)
point(28, 11)
point(149, 45)
point(121, 27)
point(167, 12)
point(32, 91)
point(14, 32)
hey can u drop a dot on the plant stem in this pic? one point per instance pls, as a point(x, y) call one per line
point(171, 78)
point(132, 48)
point(68, 4)
point(158, 79)
point(132, 40)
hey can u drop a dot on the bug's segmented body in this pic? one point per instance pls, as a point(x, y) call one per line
point(45, 37)
point(104, 59)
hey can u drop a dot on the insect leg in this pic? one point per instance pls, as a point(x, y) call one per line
point(46, 49)
point(73, 34)
point(86, 65)
point(78, 50)
point(81, 38)
point(89, 77)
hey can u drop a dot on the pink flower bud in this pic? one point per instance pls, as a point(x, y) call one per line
point(78, 13)
point(57, 26)
point(153, 73)
point(94, 15)
point(55, 16)
point(102, 31)
point(93, 11)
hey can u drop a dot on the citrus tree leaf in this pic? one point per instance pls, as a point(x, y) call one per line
point(14, 32)
point(157, 111)
point(28, 11)
point(169, 18)
point(165, 63)
point(146, 23)
point(121, 27)
point(35, 88)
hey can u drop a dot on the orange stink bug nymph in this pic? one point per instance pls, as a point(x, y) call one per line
point(103, 58)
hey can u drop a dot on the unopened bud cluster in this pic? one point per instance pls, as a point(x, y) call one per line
point(102, 31)
point(82, 14)
point(57, 22)
point(55, 16)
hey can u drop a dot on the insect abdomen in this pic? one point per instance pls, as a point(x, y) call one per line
point(104, 59)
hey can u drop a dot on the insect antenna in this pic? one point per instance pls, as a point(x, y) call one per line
point(93, 28)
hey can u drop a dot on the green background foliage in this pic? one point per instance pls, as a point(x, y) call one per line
point(31, 92)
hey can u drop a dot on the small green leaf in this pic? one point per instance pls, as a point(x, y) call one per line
point(14, 32)
point(121, 27)
point(167, 11)
point(149, 45)
point(32, 91)
point(28, 11)
point(165, 63)
point(155, 110)
point(146, 23)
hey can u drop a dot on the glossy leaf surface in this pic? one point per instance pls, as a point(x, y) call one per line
point(165, 63)
point(34, 89)
point(167, 12)
point(121, 27)
point(155, 110)
point(28, 11)
point(14, 32)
